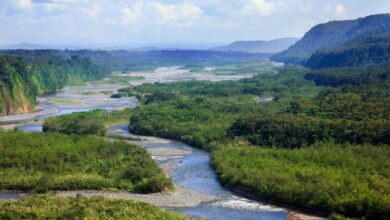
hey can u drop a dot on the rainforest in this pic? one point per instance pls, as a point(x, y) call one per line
point(101, 131)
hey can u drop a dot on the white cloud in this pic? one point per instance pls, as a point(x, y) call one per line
point(179, 14)
point(53, 7)
point(93, 11)
point(260, 7)
point(340, 9)
point(132, 15)
point(21, 5)
point(156, 12)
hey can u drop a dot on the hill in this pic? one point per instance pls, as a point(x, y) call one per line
point(272, 46)
point(332, 34)
point(25, 76)
point(363, 51)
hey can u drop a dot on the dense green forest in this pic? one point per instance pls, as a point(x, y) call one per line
point(355, 114)
point(200, 112)
point(333, 34)
point(123, 60)
point(362, 51)
point(25, 76)
point(345, 121)
point(352, 180)
point(50, 161)
point(321, 144)
point(149, 60)
point(50, 206)
point(86, 123)
point(27, 73)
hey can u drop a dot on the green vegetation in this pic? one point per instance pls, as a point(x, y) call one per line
point(54, 207)
point(363, 51)
point(86, 123)
point(321, 144)
point(347, 179)
point(233, 68)
point(23, 78)
point(199, 113)
point(341, 115)
point(122, 60)
point(118, 79)
point(339, 135)
point(26, 73)
point(333, 34)
point(351, 76)
point(48, 161)
point(290, 131)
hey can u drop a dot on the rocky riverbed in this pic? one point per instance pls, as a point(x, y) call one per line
point(198, 192)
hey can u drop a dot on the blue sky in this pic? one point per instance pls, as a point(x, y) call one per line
point(121, 22)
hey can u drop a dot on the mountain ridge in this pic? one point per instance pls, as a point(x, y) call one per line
point(258, 46)
point(332, 34)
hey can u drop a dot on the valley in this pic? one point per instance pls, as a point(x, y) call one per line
point(197, 190)
point(283, 129)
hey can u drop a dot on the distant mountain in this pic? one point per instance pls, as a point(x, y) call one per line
point(24, 46)
point(272, 46)
point(362, 51)
point(332, 34)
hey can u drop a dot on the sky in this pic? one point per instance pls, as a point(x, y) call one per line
point(127, 22)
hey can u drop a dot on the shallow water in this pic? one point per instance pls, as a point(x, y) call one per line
point(194, 172)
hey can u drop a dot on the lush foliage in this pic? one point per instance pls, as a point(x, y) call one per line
point(42, 162)
point(76, 123)
point(23, 78)
point(350, 114)
point(87, 123)
point(199, 113)
point(54, 207)
point(363, 51)
point(332, 34)
point(215, 115)
point(289, 131)
point(350, 76)
point(347, 179)
point(122, 60)
point(198, 122)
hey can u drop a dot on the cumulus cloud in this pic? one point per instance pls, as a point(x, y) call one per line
point(156, 12)
point(132, 15)
point(259, 7)
point(163, 20)
point(181, 14)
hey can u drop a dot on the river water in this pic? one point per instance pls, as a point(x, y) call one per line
point(192, 171)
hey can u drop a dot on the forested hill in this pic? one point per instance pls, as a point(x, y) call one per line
point(123, 60)
point(30, 73)
point(272, 46)
point(363, 51)
point(332, 34)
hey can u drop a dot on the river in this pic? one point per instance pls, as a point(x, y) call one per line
point(198, 194)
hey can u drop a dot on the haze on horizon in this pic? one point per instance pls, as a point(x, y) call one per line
point(147, 22)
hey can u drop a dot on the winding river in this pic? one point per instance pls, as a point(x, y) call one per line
point(198, 192)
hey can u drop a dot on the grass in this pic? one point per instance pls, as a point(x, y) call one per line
point(49, 161)
point(50, 206)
